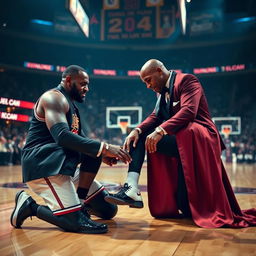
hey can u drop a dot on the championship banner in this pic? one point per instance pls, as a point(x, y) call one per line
point(137, 20)
point(151, 3)
point(14, 117)
point(166, 24)
point(208, 22)
point(111, 4)
point(16, 103)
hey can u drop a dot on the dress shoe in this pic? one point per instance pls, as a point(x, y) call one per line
point(127, 195)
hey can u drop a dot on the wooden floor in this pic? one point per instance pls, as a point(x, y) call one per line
point(132, 231)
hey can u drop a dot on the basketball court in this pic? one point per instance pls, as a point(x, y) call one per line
point(132, 231)
point(111, 39)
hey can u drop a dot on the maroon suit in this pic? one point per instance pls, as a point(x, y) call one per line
point(211, 198)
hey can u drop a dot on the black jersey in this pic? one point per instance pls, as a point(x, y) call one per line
point(41, 156)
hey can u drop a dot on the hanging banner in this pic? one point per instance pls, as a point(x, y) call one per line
point(137, 20)
point(208, 22)
point(110, 4)
point(151, 3)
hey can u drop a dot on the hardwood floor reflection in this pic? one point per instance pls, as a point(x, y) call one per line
point(132, 231)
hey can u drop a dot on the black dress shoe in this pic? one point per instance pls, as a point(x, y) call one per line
point(127, 195)
point(96, 205)
point(88, 226)
point(22, 209)
point(78, 221)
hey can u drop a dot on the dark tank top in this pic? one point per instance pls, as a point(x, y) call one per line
point(41, 156)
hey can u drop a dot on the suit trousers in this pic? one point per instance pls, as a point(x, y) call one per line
point(168, 146)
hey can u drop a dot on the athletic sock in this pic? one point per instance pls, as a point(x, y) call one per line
point(34, 207)
point(96, 185)
point(82, 192)
point(133, 179)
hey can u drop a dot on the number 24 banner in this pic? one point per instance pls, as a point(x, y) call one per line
point(111, 4)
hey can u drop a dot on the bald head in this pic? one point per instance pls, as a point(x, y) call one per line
point(151, 65)
point(154, 74)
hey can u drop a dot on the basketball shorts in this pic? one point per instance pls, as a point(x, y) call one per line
point(58, 192)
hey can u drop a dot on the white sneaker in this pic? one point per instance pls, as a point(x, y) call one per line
point(127, 195)
point(22, 209)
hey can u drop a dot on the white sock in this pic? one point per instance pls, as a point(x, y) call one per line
point(133, 179)
point(94, 187)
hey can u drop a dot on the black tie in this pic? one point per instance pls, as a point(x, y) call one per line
point(162, 109)
point(163, 105)
point(164, 90)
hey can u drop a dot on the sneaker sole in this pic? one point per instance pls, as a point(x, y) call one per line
point(133, 204)
point(15, 213)
point(94, 231)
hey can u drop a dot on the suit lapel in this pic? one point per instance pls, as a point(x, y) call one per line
point(158, 107)
point(172, 80)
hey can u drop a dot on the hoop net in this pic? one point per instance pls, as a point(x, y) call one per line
point(226, 130)
point(123, 126)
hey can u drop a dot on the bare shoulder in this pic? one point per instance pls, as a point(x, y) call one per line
point(54, 99)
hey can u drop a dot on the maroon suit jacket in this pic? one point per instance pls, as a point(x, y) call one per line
point(211, 198)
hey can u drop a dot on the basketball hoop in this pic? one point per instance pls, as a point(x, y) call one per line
point(234, 122)
point(226, 130)
point(123, 126)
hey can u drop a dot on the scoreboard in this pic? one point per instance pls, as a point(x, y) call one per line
point(127, 25)
point(135, 19)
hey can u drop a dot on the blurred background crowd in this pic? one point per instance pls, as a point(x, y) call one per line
point(218, 46)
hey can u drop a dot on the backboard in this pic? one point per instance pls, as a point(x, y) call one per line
point(130, 114)
point(230, 124)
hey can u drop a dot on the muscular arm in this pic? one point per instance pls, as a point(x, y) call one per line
point(55, 106)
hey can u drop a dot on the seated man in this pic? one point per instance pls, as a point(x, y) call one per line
point(185, 171)
point(54, 147)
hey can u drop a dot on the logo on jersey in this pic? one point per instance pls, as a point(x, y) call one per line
point(75, 124)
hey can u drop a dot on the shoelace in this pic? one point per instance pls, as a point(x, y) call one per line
point(125, 188)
